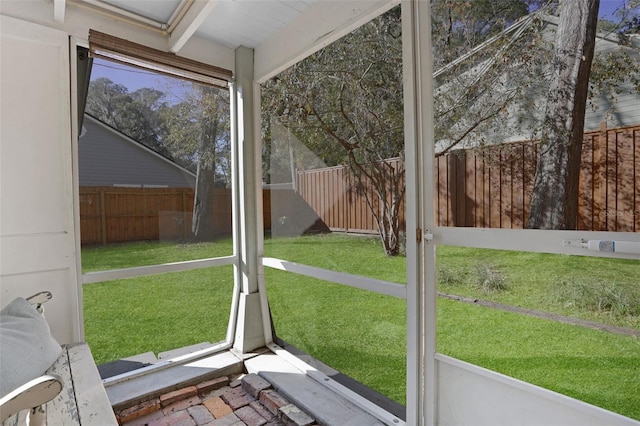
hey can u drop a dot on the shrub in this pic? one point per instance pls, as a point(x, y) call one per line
point(489, 279)
point(601, 296)
point(448, 276)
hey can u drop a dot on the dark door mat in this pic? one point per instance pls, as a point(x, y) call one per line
point(120, 366)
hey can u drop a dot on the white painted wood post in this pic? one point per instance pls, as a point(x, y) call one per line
point(421, 279)
point(249, 330)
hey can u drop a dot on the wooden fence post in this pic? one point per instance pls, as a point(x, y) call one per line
point(145, 209)
point(599, 177)
point(348, 192)
point(184, 214)
point(103, 219)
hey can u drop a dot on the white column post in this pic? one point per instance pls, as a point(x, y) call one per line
point(421, 284)
point(249, 331)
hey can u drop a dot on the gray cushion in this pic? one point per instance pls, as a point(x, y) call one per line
point(27, 348)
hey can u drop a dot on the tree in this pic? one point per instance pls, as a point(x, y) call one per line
point(460, 25)
point(487, 58)
point(195, 132)
point(198, 130)
point(345, 104)
point(489, 93)
point(554, 201)
point(136, 114)
point(492, 79)
point(613, 72)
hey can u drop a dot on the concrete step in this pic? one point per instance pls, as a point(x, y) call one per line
point(319, 401)
point(147, 358)
point(137, 388)
point(174, 353)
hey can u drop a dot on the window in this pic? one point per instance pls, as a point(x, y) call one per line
point(155, 205)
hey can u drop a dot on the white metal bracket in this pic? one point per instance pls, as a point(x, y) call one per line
point(606, 246)
point(428, 235)
point(574, 243)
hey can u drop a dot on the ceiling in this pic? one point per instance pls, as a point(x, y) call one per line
point(280, 32)
point(231, 23)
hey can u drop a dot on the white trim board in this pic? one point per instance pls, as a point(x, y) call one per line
point(472, 395)
point(364, 283)
point(534, 240)
point(115, 274)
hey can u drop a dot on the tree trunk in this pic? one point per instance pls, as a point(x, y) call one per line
point(202, 220)
point(384, 182)
point(202, 224)
point(554, 202)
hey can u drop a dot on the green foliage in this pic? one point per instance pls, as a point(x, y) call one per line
point(344, 103)
point(449, 276)
point(193, 130)
point(199, 130)
point(624, 21)
point(533, 279)
point(458, 25)
point(612, 74)
point(483, 276)
point(135, 114)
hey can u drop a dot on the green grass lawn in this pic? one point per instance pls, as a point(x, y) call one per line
point(363, 334)
point(547, 282)
point(157, 313)
point(141, 253)
point(360, 333)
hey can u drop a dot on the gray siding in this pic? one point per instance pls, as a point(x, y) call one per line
point(108, 158)
point(623, 111)
point(626, 109)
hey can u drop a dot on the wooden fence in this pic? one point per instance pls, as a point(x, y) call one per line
point(116, 214)
point(492, 188)
point(331, 193)
point(489, 188)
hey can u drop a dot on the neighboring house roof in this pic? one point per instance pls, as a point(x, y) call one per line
point(625, 111)
point(108, 157)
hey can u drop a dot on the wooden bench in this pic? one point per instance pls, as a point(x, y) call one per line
point(83, 399)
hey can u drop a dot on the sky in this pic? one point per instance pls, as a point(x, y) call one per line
point(134, 78)
point(607, 9)
point(130, 77)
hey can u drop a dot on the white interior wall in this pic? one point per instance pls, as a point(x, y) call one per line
point(37, 230)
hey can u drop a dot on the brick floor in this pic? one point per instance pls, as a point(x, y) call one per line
point(245, 400)
point(217, 407)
